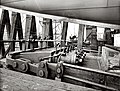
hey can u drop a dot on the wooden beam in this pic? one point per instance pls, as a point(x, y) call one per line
point(80, 36)
point(106, 79)
point(33, 32)
point(30, 31)
point(16, 27)
point(27, 29)
point(4, 21)
point(66, 19)
point(47, 32)
point(64, 33)
point(108, 37)
point(94, 43)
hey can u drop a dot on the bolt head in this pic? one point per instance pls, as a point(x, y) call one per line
point(41, 73)
point(58, 64)
point(42, 65)
point(14, 64)
point(58, 70)
point(23, 67)
point(58, 76)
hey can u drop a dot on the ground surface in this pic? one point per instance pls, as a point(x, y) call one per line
point(16, 81)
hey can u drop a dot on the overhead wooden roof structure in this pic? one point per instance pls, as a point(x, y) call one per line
point(103, 11)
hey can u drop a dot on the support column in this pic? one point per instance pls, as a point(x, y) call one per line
point(47, 32)
point(88, 32)
point(94, 43)
point(16, 27)
point(108, 37)
point(4, 21)
point(30, 31)
point(64, 33)
point(80, 36)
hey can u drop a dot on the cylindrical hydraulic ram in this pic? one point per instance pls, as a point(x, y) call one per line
point(70, 58)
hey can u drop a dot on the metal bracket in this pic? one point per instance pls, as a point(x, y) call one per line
point(59, 69)
point(18, 64)
point(42, 69)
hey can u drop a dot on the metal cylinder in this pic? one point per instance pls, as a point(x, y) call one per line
point(69, 58)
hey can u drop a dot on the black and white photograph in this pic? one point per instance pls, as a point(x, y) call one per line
point(59, 45)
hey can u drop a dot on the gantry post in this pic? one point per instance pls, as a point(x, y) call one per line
point(108, 38)
point(47, 32)
point(16, 27)
point(94, 42)
point(30, 31)
point(4, 21)
point(64, 33)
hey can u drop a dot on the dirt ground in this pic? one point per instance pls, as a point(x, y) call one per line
point(16, 81)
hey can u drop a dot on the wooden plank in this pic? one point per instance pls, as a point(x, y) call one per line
point(88, 83)
point(93, 75)
point(15, 81)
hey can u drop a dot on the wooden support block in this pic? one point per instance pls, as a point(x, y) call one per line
point(64, 33)
point(92, 75)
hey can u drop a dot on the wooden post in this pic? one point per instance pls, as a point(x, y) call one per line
point(47, 32)
point(30, 31)
point(94, 44)
point(4, 21)
point(33, 32)
point(108, 38)
point(88, 32)
point(27, 29)
point(80, 36)
point(16, 27)
point(64, 33)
